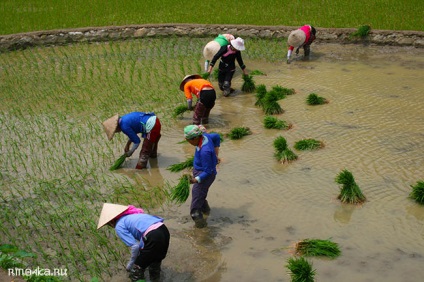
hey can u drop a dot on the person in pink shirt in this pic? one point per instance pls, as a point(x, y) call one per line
point(301, 37)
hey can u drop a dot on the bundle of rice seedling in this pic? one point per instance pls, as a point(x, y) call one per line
point(205, 75)
point(350, 192)
point(308, 144)
point(179, 110)
point(282, 92)
point(239, 132)
point(179, 193)
point(272, 108)
point(314, 99)
point(271, 122)
point(283, 153)
point(183, 165)
point(418, 192)
point(256, 72)
point(260, 95)
point(317, 247)
point(118, 162)
point(248, 84)
point(300, 270)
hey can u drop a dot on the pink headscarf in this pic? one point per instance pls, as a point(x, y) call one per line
point(131, 210)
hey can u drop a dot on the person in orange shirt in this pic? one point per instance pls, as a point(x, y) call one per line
point(205, 93)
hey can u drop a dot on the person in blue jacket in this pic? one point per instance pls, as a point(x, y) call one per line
point(204, 170)
point(145, 234)
point(132, 124)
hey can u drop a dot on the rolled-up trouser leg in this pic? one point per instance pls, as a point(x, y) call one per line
point(154, 153)
point(307, 50)
point(145, 152)
point(205, 118)
point(227, 88)
point(199, 111)
point(154, 271)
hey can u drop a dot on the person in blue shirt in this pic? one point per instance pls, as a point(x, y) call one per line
point(204, 170)
point(132, 124)
point(145, 234)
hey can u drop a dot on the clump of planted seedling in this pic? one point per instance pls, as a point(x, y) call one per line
point(271, 122)
point(181, 191)
point(118, 163)
point(180, 110)
point(418, 192)
point(282, 152)
point(317, 247)
point(300, 270)
point(308, 144)
point(350, 191)
point(188, 163)
point(314, 99)
point(239, 132)
point(248, 84)
point(362, 31)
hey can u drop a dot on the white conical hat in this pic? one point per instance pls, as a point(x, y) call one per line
point(109, 212)
point(110, 125)
point(210, 50)
point(296, 38)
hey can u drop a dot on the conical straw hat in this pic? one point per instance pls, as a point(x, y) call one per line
point(109, 212)
point(187, 78)
point(210, 50)
point(296, 38)
point(110, 125)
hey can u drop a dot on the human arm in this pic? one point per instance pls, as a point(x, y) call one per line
point(240, 62)
point(289, 52)
point(135, 250)
point(215, 58)
point(128, 151)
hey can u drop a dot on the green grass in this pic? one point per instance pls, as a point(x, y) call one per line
point(32, 15)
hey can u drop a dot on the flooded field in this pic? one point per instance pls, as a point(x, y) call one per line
point(55, 160)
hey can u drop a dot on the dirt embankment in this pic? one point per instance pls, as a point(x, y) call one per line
point(111, 33)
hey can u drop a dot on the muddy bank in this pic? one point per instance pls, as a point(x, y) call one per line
point(112, 33)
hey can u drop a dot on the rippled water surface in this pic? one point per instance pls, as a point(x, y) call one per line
point(372, 126)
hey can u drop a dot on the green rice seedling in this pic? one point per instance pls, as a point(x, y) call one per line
point(239, 132)
point(286, 155)
point(183, 165)
point(215, 74)
point(280, 143)
point(362, 31)
point(260, 95)
point(300, 270)
point(181, 191)
point(418, 192)
point(350, 191)
point(308, 144)
point(317, 247)
point(281, 92)
point(271, 122)
point(272, 108)
point(117, 164)
point(179, 110)
point(256, 72)
point(248, 84)
point(314, 99)
point(205, 75)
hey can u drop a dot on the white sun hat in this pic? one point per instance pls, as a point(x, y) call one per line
point(110, 125)
point(238, 43)
point(296, 38)
point(109, 212)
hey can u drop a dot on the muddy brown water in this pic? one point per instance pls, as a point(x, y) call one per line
point(372, 126)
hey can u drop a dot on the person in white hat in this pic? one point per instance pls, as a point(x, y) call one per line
point(145, 234)
point(227, 66)
point(132, 124)
point(212, 47)
point(205, 93)
point(301, 37)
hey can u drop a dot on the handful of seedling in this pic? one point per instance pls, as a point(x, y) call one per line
point(239, 132)
point(117, 164)
point(271, 122)
point(350, 192)
point(248, 84)
point(179, 193)
point(308, 144)
point(300, 270)
point(179, 110)
point(418, 192)
point(183, 165)
point(282, 152)
point(317, 247)
point(313, 99)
